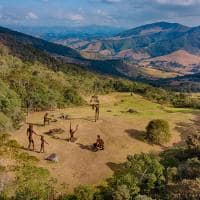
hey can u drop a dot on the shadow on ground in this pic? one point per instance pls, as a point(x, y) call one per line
point(140, 135)
point(86, 147)
point(115, 167)
point(188, 128)
point(136, 134)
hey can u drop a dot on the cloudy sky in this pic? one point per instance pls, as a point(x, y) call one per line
point(119, 13)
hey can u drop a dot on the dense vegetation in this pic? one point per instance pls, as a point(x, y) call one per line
point(187, 83)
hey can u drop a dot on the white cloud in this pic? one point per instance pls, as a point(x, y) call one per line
point(32, 15)
point(112, 1)
point(108, 1)
point(179, 2)
point(101, 12)
point(76, 17)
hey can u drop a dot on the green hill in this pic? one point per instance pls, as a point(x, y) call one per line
point(16, 39)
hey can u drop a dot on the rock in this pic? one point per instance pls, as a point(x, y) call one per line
point(53, 157)
point(130, 110)
point(63, 116)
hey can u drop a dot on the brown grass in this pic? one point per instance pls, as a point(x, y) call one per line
point(121, 131)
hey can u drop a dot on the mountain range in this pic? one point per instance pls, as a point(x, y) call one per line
point(157, 53)
point(27, 48)
point(148, 41)
point(158, 50)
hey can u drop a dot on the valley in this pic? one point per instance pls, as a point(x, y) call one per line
point(149, 53)
point(171, 49)
point(147, 80)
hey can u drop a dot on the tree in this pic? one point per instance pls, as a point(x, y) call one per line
point(158, 131)
point(189, 169)
point(141, 173)
point(193, 142)
point(122, 193)
point(33, 183)
point(186, 189)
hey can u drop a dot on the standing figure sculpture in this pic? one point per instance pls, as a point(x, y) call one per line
point(94, 102)
point(72, 132)
point(46, 119)
point(30, 133)
point(43, 141)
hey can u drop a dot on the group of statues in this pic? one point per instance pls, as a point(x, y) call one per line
point(98, 145)
point(30, 133)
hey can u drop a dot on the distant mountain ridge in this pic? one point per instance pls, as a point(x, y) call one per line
point(148, 53)
point(55, 33)
point(10, 37)
point(29, 48)
point(152, 40)
point(153, 28)
point(160, 49)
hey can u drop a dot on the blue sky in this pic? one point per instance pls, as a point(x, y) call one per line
point(119, 13)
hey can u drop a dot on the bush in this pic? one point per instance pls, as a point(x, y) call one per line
point(190, 169)
point(186, 189)
point(71, 96)
point(141, 173)
point(158, 131)
point(10, 107)
point(33, 183)
point(5, 122)
point(143, 197)
point(84, 193)
point(122, 193)
point(193, 142)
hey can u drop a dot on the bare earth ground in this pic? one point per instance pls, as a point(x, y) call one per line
point(120, 130)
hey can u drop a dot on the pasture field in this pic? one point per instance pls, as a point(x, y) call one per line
point(121, 129)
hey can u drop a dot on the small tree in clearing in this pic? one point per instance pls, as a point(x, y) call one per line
point(158, 131)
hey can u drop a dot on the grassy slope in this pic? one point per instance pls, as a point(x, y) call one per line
point(122, 132)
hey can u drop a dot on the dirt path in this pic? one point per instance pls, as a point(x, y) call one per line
point(77, 164)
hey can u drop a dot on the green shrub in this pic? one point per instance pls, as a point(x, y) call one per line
point(121, 193)
point(185, 189)
point(84, 193)
point(5, 122)
point(33, 183)
point(71, 96)
point(68, 197)
point(158, 131)
point(10, 106)
point(143, 197)
point(193, 143)
point(189, 169)
point(141, 173)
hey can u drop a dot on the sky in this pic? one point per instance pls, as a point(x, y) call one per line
point(117, 13)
